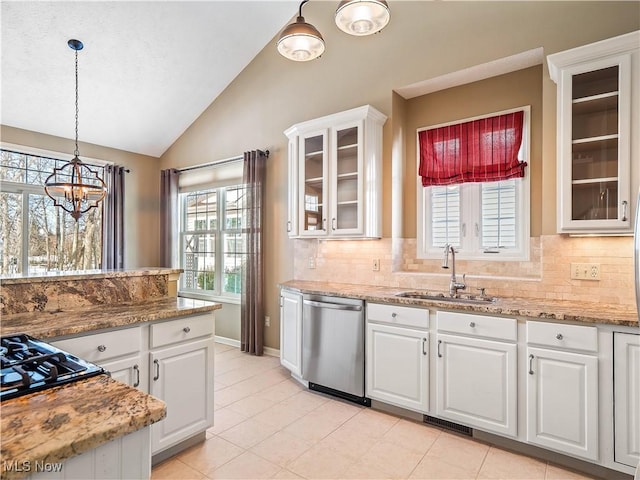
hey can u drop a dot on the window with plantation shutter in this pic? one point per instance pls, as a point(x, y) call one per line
point(482, 219)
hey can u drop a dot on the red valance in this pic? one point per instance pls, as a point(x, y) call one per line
point(484, 150)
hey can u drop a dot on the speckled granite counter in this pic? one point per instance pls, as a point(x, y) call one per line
point(519, 307)
point(61, 422)
point(51, 324)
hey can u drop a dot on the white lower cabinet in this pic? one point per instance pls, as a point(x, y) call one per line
point(626, 374)
point(397, 356)
point(182, 376)
point(171, 359)
point(398, 366)
point(291, 331)
point(476, 380)
point(562, 401)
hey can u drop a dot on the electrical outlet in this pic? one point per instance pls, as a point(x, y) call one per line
point(585, 271)
point(376, 264)
point(267, 321)
point(312, 262)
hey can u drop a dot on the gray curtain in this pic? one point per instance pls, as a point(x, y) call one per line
point(252, 305)
point(113, 218)
point(168, 216)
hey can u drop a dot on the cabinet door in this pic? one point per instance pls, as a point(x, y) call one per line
point(397, 366)
point(594, 146)
point(626, 375)
point(313, 187)
point(562, 401)
point(182, 376)
point(291, 331)
point(128, 370)
point(346, 190)
point(477, 383)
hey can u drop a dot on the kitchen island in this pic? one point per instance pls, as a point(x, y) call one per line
point(129, 322)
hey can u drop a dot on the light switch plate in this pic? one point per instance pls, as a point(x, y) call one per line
point(585, 271)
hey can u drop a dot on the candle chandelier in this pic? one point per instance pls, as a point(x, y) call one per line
point(300, 41)
point(75, 187)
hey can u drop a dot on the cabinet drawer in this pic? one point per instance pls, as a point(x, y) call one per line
point(478, 325)
point(100, 347)
point(182, 329)
point(576, 337)
point(397, 315)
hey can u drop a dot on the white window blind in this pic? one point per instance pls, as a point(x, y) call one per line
point(445, 214)
point(499, 207)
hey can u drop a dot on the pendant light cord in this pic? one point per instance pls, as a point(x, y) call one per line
point(77, 151)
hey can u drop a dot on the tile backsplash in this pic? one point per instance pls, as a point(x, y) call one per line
point(545, 275)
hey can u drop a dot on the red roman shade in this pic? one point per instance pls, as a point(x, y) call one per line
point(484, 150)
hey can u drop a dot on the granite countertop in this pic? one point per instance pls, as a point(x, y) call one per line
point(59, 423)
point(60, 323)
point(85, 274)
point(544, 309)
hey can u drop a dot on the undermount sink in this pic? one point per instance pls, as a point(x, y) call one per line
point(441, 297)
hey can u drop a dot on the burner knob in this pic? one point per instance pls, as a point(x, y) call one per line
point(101, 348)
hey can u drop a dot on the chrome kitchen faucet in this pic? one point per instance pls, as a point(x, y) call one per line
point(454, 285)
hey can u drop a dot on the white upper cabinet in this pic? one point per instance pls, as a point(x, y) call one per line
point(335, 175)
point(597, 108)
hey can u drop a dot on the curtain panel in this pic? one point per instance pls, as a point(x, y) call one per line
point(484, 150)
point(168, 216)
point(252, 299)
point(113, 218)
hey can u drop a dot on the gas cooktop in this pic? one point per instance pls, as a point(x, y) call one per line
point(29, 365)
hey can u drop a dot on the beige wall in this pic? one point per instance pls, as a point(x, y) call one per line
point(503, 92)
point(142, 190)
point(424, 40)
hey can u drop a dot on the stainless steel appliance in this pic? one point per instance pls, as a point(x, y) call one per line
point(333, 337)
point(29, 365)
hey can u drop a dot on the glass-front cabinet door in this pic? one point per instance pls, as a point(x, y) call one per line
point(593, 141)
point(346, 179)
point(314, 184)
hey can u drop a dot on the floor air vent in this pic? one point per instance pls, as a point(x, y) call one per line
point(438, 422)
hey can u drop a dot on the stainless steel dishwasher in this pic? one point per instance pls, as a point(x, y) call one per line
point(333, 331)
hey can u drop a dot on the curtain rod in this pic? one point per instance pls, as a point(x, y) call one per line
point(219, 162)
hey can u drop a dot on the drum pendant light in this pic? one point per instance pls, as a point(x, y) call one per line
point(300, 41)
point(75, 187)
point(362, 17)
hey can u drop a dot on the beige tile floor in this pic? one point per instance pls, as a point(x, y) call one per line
point(269, 426)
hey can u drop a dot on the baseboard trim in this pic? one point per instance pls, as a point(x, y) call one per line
point(272, 352)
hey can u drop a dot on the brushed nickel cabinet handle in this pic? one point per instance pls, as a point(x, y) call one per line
point(439, 343)
point(157, 364)
point(289, 226)
point(625, 204)
point(424, 350)
point(531, 364)
point(333, 223)
point(137, 370)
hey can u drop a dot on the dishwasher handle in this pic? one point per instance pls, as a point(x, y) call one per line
point(334, 306)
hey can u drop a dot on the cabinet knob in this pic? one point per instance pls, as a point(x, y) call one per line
point(472, 324)
point(394, 315)
point(101, 348)
point(186, 329)
point(559, 336)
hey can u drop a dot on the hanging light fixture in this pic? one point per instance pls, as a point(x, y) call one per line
point(362, 17)
point(300, 41)
point(75, 187)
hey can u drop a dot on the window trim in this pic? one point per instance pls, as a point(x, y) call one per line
point(523, 192)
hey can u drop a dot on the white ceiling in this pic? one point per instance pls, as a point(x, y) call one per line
point(147, 71)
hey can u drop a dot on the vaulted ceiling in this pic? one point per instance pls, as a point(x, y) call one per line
point(147, 71)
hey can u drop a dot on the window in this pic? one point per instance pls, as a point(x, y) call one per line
point(35, 236)
point(485, 220)
point(213, 244)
